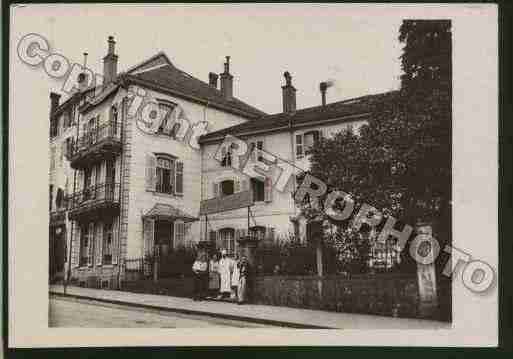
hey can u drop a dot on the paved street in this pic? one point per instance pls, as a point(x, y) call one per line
point(65, 312)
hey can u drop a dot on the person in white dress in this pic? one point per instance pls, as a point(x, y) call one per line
point(235, 278)
point(225, 269)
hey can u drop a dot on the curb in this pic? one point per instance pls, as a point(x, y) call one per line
point(195, 312)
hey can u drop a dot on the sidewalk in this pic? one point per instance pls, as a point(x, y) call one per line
point(264, 314)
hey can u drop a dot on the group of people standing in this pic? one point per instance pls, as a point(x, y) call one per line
point(221, 277)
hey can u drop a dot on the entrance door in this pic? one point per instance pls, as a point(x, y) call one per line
point(164, 234)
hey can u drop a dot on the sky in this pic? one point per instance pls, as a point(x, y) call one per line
point(354, 46)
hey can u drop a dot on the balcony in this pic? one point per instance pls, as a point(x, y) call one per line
point(95, 201)
point(95, 145)
point(58, 217)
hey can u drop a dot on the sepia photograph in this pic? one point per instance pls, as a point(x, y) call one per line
point(288, 166)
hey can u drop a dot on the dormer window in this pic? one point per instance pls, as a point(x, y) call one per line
point(226, 155)
point(256, 148)
point(167, 125)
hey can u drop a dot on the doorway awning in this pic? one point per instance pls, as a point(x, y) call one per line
point(162, 211)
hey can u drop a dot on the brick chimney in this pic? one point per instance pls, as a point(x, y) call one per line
point(323, 86)
point(227, 80)
point(289, 94)
point(54, 101)
point(110, 62)
point(83, 79)
point(212, 79)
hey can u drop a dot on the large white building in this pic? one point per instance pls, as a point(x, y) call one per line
point(120, 188)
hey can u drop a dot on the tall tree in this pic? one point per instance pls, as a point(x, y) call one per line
point(401, 160)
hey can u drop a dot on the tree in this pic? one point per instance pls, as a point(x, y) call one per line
point(401, 161)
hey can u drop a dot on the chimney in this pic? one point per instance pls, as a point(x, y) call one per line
point(227, 80)
point(289, 94)
point(54, 101)
point(323, 86)
point(82, 77)
point(110, 63)
point(212, 79)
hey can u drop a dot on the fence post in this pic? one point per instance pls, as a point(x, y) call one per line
point(426, 277)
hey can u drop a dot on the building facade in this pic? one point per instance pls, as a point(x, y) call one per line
point(122, 189)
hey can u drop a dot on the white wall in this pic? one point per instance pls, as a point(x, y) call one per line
point(141, 200)
point(281, 209)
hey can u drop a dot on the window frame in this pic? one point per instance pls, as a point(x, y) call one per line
point(256, 194)
point(221, 191)
point(220, 240)
point(159, 185)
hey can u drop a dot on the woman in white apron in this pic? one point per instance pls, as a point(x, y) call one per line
point(225, 271)
point(235, 278)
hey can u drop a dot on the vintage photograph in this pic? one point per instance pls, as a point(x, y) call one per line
point(246, 166)
point(152, 204)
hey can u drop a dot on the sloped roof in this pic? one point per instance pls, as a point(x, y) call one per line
point(347, 110)
point(158, 70)
point(169, 212)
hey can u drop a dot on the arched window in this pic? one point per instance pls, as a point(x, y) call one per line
point(226, 240)
point(227, 187)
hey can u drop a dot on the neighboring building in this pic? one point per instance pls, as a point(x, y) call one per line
point(287, 135)
point(119, 192)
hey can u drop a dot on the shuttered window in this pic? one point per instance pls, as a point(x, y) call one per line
point(164, 174)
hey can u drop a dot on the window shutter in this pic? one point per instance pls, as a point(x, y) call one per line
point(75, 247)
point(148, 227)
point(80, 180)
point(187, 237)
point(316, 137)
point(253, 151)
point(151, 172)
point(299, 146)
point(236, 186)
point(269, 234)
point(99, 243)
point(63, 149)
point(179, 234)
point(268, 191)
point(90, 243)
point(260, 147)
point(115, 241)
point(179, 178)
point(212, 236)
point(244, 185)
point(216, 189)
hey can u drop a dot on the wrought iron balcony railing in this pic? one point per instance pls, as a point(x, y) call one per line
point(94, 197)
point(109, 132)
